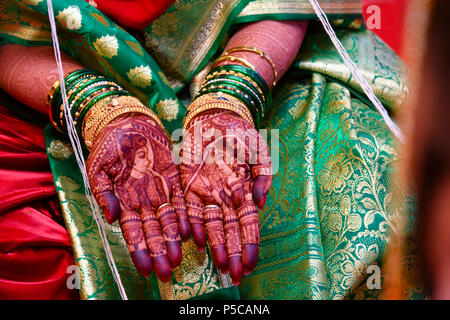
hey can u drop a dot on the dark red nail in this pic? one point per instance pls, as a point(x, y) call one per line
point(162, 268)
point(142, 261)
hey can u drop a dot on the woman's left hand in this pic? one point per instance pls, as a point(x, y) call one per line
point(225, 169)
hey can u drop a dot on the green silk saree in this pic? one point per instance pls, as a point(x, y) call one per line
point(332, 206)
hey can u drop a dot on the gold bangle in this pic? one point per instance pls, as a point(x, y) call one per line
point(233, 59)
point(208, 102)
point(52, 90)
point(89, 99)
point(261, 54)
point(106, 110)
point(237, 74)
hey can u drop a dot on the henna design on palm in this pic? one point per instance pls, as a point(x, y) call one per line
point(225, 169)
point(133, 178)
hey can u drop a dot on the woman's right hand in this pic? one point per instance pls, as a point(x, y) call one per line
point(134, 179)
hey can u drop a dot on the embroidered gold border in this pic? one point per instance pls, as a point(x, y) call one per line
point(25, 32)
point(299, 7)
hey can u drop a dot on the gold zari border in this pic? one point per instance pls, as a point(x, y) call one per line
point(299, 7)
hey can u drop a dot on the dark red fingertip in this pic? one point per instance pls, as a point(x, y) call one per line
point(185, 229)
point(162, 268)
point(260, 191)
point(221, 258)
point(174, 253)
point(142, 261)
point(235, 269)
point(249, 258)
point(198, 233)
point(110, 206)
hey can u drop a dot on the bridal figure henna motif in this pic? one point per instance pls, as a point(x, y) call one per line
point(225, 169)
point(133, 178)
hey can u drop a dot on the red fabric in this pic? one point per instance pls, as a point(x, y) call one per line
point(392, 21)
point(134, 14)
point(35, 249)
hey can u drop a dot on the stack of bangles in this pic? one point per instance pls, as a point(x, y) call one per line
point(94, 101)
point(236, 88)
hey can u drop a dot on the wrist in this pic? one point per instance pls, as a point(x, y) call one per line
point(94, 102)
point(214, 103)
point(106, 111)
point(233, 87)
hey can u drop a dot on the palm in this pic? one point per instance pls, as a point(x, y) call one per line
point(134, 179)
point(225, 167)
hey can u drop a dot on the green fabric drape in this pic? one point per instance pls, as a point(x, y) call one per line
point(331, 207)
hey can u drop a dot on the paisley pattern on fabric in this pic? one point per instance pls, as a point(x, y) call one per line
point(332, 208)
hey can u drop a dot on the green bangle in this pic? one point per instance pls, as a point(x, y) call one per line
point(253, 93)
point(73, 77)
point(57, 101)
point(237, 95)
point(86, 94)
point(79, 120)
point(248, 72)
point(75, 106)
point(93, 101)
point(91, 82)
point(254, 86)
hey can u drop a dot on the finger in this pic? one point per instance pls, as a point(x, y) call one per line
point(261, 171)
point(131, 226)
point(261, 185)
point(180, 209)
point(168, 221)
point(249, 226)
point(110, 205)
point(194, 208)
point(233, 244)
point(102, 190)
point(248, 219)
point(177, 201)
point(156, 245)
point(213, 219)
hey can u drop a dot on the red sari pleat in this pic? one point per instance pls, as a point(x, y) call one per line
point(35, 249)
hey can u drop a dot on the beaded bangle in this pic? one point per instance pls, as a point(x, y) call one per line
point(244, 73)
point(93, 98)
point(68, 81)
point(87, 90)
point(241, 70)
point(240, 92)
point(85, 94)
point(244, 87)
point(76, 103)
point(237, 95)
point(238, 77)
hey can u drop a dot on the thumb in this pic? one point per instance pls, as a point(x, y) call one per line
point(260, 190)
point(102, 190)
point(110, 205)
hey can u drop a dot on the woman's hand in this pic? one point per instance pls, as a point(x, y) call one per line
point(225, 169)
point(133, 178)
